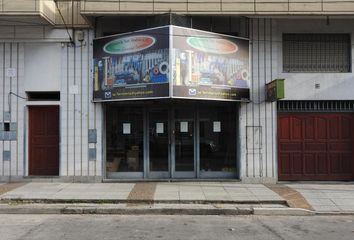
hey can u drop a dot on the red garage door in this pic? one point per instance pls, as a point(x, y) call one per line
point(315, 146)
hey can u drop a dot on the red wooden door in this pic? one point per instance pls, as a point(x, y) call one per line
point(315, 146)
point(44, 140)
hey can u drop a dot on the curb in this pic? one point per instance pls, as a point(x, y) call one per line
point(122, 210)
point(349, 213)
point(136, 201)
point(164, 209)
point(283, 212)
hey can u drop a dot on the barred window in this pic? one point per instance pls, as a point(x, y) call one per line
point(316, 53)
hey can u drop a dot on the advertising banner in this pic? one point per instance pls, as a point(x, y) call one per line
point(209, 66)
point(132, 66)
point(171, 62)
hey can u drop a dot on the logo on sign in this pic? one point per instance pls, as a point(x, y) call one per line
point(107, 95)
point(212, 45)
point(129, 44)
point(192, 91)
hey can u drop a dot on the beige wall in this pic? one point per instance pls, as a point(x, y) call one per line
point(239, 7)
point(76, 11)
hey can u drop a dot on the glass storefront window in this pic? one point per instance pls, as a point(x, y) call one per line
point(163, 141)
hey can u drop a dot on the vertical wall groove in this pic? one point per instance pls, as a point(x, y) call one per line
point(88, 93)
point(74, 109)
point(67, 111)
point(272, 105)
point(17, 115)
point(265, 106)
point(3, 103)
point(253, 98)
point(258, 103)
point(81, 110)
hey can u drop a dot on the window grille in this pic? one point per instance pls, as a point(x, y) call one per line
point(316, 106)
point(316, 53)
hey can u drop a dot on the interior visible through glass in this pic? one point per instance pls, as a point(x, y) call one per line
point(217, 139)
point(125, 137)
point(171, 135)
point(184, 140)
point(158, 140)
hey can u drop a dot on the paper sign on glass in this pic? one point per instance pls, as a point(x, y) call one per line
point(126, 128)
point(159, 128)
point(184, 126)
point(216, 126)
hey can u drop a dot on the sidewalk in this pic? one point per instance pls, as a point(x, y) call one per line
point(177, 198)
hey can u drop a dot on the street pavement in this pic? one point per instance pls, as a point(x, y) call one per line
point(133, 227)
point(229, 198)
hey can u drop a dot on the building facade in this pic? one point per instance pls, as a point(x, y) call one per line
point(50, 124)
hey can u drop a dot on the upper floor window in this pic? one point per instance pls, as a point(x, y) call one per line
point(316, 53)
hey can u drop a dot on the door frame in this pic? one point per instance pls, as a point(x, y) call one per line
point(147, 172)
point(185, 174)
point(26, 140)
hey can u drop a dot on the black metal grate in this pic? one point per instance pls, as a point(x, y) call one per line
point(316, 53)
point(316, 106)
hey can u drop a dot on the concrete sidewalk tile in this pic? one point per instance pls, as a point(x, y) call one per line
point(243, 198)
point(340, 195)
point(324, 208)
point(191, 197)
point(167, 198)
point(346, 207)
point(313, 194)
point(121, 186)
point(321, 202)
point(240, 194)
point(344, 201)
point(237, 190)
point(269, 198)
point(218, 197)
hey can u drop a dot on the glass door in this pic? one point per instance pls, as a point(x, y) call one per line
point(184, 164)
point(125, 142)
point(217, 142)
point(158, 144)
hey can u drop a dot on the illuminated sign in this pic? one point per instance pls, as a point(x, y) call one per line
point(129, 44)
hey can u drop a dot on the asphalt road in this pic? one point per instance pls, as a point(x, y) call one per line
point(86, 227)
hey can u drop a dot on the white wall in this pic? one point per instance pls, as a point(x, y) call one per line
point(65, 66)
point(12, 56)
point(78, 113)
point(301, 86)
point(257, 123)
point(42, 68)
point(258, 119)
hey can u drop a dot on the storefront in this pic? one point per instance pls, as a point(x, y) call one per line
point(171, 139)
point(171, 97)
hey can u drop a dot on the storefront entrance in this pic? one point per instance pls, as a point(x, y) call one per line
point(171, 140)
